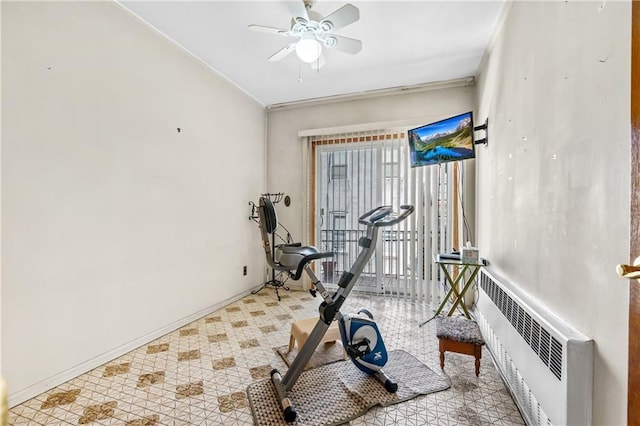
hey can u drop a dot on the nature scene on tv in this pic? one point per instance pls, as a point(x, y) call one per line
point(446, 140)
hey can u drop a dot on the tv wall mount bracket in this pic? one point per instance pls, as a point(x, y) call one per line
point(484, 127)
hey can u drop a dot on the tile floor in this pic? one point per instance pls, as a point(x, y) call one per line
point(198, 375)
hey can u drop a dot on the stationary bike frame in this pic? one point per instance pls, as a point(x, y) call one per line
point(330, 307)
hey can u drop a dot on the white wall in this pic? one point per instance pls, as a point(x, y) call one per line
point(553, 185)
point(285, 150)
point(114, 224)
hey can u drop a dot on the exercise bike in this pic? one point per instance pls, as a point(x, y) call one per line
point(360, 335)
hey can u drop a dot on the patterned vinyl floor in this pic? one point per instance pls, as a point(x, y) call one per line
point(198, 374)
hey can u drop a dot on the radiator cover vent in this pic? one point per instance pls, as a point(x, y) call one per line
point(547, 347)
point(545, 361)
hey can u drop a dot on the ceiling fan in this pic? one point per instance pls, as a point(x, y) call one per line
point(313, 32)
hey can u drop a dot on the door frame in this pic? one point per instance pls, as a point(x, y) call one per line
point(633, 394)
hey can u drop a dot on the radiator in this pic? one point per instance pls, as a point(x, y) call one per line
point(546, 363)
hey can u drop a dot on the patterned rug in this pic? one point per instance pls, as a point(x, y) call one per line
point(326, 353)
point(337, 393)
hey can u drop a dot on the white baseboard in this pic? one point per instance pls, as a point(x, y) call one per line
point(51, 382)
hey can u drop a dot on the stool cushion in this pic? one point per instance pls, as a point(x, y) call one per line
point(459, 329)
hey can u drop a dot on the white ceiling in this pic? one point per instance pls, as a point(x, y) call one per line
point(405, 43)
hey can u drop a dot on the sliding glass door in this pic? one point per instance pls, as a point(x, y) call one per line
point(347, 186)
point(355, 173)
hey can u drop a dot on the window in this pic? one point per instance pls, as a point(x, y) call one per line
point(339, 230)
point(339, 165)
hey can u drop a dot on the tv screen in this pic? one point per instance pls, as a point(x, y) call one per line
point(445, 140)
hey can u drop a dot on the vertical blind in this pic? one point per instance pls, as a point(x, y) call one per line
point(352, 173)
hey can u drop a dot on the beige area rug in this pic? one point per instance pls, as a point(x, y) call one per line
point(337, 393)
point(326, 353)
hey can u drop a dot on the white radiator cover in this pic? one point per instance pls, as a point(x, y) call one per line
point(547, 363)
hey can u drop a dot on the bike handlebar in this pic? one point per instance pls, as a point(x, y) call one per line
point(379, 216)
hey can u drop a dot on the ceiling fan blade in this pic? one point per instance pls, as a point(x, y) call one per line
point(270, 30)
point(317, 64)
point(346, 44)
point(299, 10)
point(282, 52)
point(347, 14)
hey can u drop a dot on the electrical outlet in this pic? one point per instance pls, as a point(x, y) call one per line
point(244, 270)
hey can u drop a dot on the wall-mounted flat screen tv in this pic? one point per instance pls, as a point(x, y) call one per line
point(446, 140)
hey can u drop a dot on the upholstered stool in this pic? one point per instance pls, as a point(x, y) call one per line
point(460, 335)
point(301, 329)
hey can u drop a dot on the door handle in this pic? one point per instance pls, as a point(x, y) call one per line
point(630, 271)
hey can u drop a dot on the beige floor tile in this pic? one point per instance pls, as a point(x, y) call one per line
point(198, 374)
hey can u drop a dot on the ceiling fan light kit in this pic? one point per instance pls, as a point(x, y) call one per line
point(308, 49)
point(314, 32)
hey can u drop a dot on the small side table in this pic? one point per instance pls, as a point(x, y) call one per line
point(453, 293)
